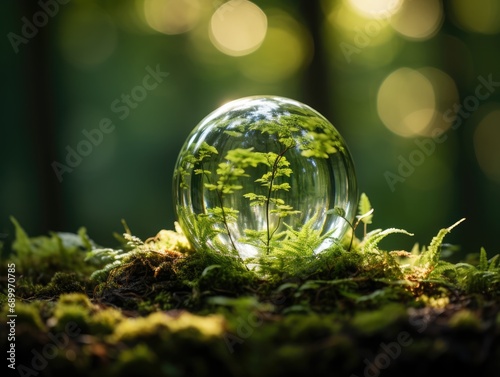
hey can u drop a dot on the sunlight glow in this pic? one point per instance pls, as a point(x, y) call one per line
point(376, 8)
point(238, 27)
point(479, 16)
point(406, 102)
point(286, 48)
point(446, 93)
point(172, 16)
point(419, 20)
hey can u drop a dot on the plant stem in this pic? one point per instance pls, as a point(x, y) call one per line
point(268, 200)
point(224, 221)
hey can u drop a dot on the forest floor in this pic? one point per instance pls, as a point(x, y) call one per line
point(158, 308)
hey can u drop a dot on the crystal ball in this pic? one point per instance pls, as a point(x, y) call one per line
point(260, 171)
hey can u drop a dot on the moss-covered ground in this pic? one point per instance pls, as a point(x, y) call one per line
point(158, 308)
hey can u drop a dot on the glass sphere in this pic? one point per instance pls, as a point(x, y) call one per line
point(258, 170)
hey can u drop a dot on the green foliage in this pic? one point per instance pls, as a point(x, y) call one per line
point(365, 207)
point(57, 252)
point(113, 258)
point(279, 167)
point(430, 256)
point(319, 145)
point(483, 278)
point(158, 300)
point(229, 173)
point(225, 180)
point(365, 211)
point(348, 272)
point(364, 274)
point(203, 226)
point(293, 250)
point(372, 239)
point(284, 131)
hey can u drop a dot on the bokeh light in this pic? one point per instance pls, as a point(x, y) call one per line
point(376, 8)
point(446, 93)
point(397, 81)
point(172, 16)
point(487, 145)
point(286, 49)
point(88, 36)
point(345, 19)
point(406, 102)
point(479, 16)
point(418, 20)
point(238, 27)
point(362, 40)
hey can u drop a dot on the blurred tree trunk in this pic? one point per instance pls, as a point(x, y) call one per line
point(315, 83)
point(39, 86)
point(466, 175)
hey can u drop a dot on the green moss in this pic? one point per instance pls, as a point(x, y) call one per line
point(161, 325)
point(311, 327)
point(73, 309)
point(139, 360)
point(65, 315)
point(380, 320)
point(466, 320)
point(63, 282)
point(104, 321)
point(28, 314)
point(219, 278)
point(77, 299)
point(292, 357)
point(157, 307)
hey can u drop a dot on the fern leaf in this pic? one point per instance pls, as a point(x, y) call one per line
point(444, 269)
point(483, 260)
point(493, 262)
point(211, 267)
point(431, 255)
point(102, 273)
point(304, 241)
point(102, 255)
point(373, 238)
point(364, 208)
point(22, 243)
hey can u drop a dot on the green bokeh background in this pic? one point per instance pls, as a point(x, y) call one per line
point(64, 79)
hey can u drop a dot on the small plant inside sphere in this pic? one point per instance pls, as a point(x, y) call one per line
point(261, 172)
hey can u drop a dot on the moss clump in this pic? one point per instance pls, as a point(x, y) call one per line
point(104, 321)
point(71, 315)
point(140, 360)
point(465, 319)
point(76, 299)
point(173, 338)
point(145, 281)
point(28, 315)
point(63, 282)
point(161, 325)
point(380, 320)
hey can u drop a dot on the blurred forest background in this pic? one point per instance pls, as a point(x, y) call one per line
point(412, 85)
